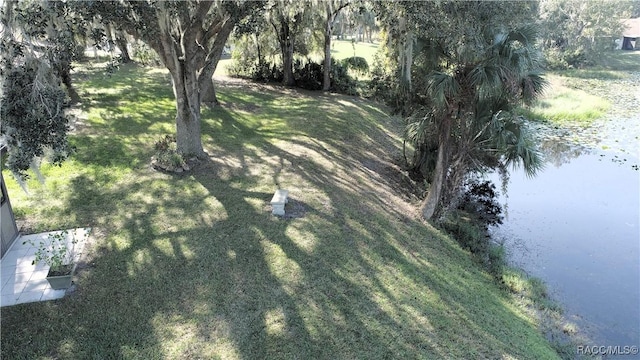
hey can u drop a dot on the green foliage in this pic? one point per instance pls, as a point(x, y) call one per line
point(33, 115)
point(357, 64)
point(577, 33)
point(144, 55)
point(166, 156)
point(384, 85)
point(57, 252)
point(477, 209)
point(461, 102)
point(307, 74)
point(469, 233)
point(37, 47)
point(341, 81)
point(480, 199)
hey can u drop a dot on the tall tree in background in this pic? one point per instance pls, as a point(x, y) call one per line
point(577, 33)
point(189, 37)
point(332, 9)
point(287, 18)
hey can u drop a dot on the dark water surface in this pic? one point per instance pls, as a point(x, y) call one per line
point(576, 225)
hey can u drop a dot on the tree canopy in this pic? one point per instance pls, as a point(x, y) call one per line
point(36, 51)
point(189, 37)
point(454, 69)
point(461, 68)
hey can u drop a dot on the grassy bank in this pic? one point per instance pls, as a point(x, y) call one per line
point(565, 102)
point(581, 96)
point(194, 265)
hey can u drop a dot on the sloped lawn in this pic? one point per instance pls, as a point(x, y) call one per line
point(193, 265)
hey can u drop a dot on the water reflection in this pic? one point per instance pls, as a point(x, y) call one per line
point(577, 226)
point(558, 152)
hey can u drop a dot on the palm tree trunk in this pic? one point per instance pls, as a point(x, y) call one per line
point(430, 204)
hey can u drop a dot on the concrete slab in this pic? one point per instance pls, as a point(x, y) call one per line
point(20, 280)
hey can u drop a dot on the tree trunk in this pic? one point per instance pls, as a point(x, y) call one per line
point(286, 45)
point(121, 43)
point(65, 74)
point(258, 48)
point(208, 93)
point(207, 90)
point(186, 91)
point(326, 83)
point(408, 58)
point(434, 196)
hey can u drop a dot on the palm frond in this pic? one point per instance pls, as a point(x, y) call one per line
point(533, 86)
point(526, 35)
point(442, 88)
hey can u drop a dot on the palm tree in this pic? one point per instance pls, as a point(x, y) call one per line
point(465, 111)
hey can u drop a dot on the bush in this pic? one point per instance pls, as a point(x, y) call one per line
point(385, 86)
point(357, 64)
point(308, 76)
point(469, 234)
point(241, 66)
point(568, 59)
point(341, 82)
point(480, 200)
point(469, 223)
point(266, 72)
point(167, 157)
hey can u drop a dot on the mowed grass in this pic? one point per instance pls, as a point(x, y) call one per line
point(194, 265)
point(340, 49)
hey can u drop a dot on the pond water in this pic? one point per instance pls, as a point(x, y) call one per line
point(576, 225)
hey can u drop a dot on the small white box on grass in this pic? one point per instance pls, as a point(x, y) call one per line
point(278, 201)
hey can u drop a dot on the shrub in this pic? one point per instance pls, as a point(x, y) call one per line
point(480, 200)
point(558, 59)
point(341, 82)
point(167, 157)
point(468, 232)
point(308, 76)
point(240, 66)
point(357, 64)
point(469, 222)
point(266, 72)
point(385, 86)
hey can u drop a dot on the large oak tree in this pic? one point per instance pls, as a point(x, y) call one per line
point(189, 37)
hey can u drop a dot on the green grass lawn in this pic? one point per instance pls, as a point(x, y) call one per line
point(194, 265)
point(340, 49)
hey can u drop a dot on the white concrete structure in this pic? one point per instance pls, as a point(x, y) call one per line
point(278, 201)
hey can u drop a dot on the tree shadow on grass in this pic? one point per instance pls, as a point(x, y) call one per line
point(195, 266)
